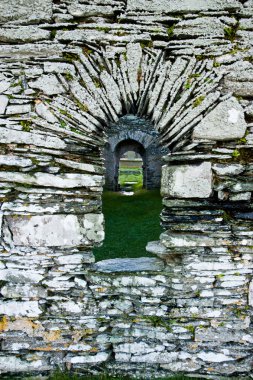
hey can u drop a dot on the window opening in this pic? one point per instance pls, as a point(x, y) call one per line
point(133, 160)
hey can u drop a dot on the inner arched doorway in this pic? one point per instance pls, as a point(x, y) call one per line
point(132, 133)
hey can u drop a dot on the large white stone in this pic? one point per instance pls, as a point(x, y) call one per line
point(43, 111)
point(15, 161)
point(67, 180)
point(187, 181)
point(18, 109)
point(181, 6)
point(232, 169)
point(28, 10)
point(225, 122)
point(251, 293)
point(48, 84)
point(14, 363)
point(23, 309)
point(214, 357)
point(8, 136)
point(56, 230)
point(23, 34)
point(3, 103)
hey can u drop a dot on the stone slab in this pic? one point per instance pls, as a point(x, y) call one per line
point(129, 265)
point(181, 6)
point(187, 181)
point(56, 230)
point(28, 11)
point(225, 122)
point(23, 34)
point(3, 103)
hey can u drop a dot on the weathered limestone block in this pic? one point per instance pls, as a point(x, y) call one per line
point(27, 10)
point(49, 84)
point(129, 265)
point(67, 180)
point(187, 181)
point(56, 230)
point(20, 308)
point(20, 276)
point(87, 10)
point(183, 6)
point(225, 122)
point(231, 170)
point(239, 81)
point(23, 291)
point(203, 26)
point(3, 103)
point(23, 34)
point(12, 363)
point(251, 293)
point(15, 161)
point(43, 111)
point(89, 359)
point(59, 67)
point(8, 136)
point(18, 109)
point(214, 357)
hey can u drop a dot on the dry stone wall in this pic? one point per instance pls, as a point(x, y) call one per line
point(68, 69)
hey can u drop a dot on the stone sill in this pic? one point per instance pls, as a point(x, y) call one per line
point(141, 264)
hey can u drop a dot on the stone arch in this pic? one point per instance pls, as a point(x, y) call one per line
point(76, 100)
point(140, 130)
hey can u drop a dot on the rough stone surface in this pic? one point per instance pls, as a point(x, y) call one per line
point(181, 72)
point(55, 230)
point(129, 265)
point(225, 122)
point(28, 11)
point(192, 181)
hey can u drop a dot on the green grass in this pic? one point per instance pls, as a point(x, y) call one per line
point(67, 376)
point(135, 176)
point(130, 223)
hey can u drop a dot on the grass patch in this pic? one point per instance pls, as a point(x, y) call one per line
point(133, 174)
point(130, 223)
point(58, 375)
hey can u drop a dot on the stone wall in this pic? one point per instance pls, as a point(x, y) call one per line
point(68, 70)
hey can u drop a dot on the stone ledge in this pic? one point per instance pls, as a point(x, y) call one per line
point(129, 265)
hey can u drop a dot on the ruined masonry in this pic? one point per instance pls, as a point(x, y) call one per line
point(69, 70)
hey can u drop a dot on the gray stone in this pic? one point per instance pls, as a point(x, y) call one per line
point(18, 109)
point(26, 308)
point(129, 265)
point(8, 136)
point(15, 161)
point(87, 10)
point(23, 34)
point(28, 11)
point(3, 103)
point(240, 196)
point(48, 84)
point(174, 6)
point(225, 122)
point(43, 111)
point(231, 170)
point(187, 181)
point(203, 26)
point(56, 230)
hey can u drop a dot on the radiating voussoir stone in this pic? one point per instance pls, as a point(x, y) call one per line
point(187, 181)
point(225, 122)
